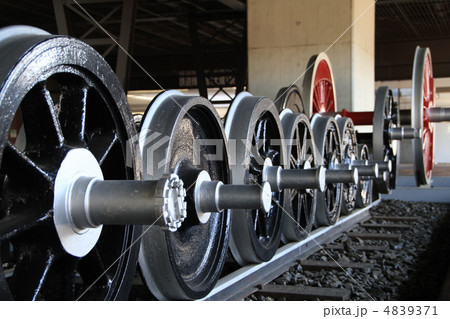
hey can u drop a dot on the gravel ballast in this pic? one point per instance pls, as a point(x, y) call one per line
point(413, 268)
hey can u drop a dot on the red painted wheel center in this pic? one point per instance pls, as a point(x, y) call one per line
point(323, 95)
point(428, 101)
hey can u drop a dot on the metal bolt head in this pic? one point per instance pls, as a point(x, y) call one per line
point(173, 201)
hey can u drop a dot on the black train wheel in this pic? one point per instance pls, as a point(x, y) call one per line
point(58, 94)
point(253, 125)
point(176, 136)
point(329, 152)
point(350, 153)
point(364, 190)
point(385, 117)
point(300, 147)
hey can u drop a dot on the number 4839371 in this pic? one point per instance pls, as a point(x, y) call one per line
point(410, 310)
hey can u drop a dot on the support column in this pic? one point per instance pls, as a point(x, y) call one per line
point(128, 20)
point(284, 34)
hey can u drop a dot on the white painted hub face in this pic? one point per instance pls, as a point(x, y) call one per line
point(77, 163)
point(322, 179)
point(265, 173)
point(203, 217)
point(266, 197)
point(307, 165)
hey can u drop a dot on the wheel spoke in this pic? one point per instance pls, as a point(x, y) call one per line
point(298, 146)
point(305, 145)
point(293, 162)
point(263, 135)
point(329, 97)
point(22, 221)
point(293, 194)
point(17, 165)
point(256, 222)
point(72, 115)
point(316, 99)
point(93, 272)
point(262, 225)
point(63, 276)
point(31, 271)
point(101, 144)
point(309, 158)
point(330, 143)
point(42, 128)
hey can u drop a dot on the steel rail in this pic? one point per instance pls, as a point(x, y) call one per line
point(244, 281)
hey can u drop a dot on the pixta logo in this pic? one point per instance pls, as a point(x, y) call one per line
point(153, 147)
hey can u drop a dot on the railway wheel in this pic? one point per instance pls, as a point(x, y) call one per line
point(385, 149)
point(364, 186)
point(318, 86)
point(423, 92)
point(349, 151)
point(184, 135)
point(302, 203)
point(290, 98)
point(57, 94)
point(329, 152)
point(253, 128)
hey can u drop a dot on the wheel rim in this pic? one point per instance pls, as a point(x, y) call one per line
point(301, 204)
point(85, 109)
point(290, 98)
point(349, 151)
point(385, 116)
point(185, 264)
point(318, 87)
point(329, 152)
point(255, 121)
point(422, 99)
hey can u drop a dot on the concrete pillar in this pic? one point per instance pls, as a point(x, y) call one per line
point(284, 34)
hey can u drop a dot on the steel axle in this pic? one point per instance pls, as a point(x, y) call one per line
point(214, 196)
point(309, 178)
point(94, 202)
point(439, 114)
point(83, 200)
point(404, 133)
point(383, 166)
point(342, 173)
point(365, 168)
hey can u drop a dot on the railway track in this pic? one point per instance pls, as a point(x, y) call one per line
point(245, 281)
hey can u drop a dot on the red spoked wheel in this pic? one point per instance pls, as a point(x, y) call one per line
point(422, 99)
point(318, 86)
